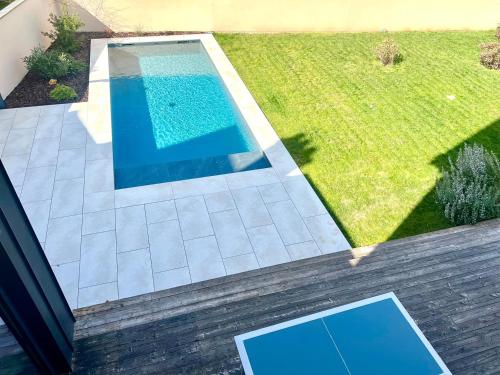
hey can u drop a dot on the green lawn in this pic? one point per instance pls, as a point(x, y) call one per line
point(4, 3)
point(371, 139)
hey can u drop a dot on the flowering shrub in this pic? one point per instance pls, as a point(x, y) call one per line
point(469, 190)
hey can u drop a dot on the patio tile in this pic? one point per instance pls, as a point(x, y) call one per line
point(63, 239)
point(75, 113)
point(38, 184)
point(100, 221)
point(326, 234)
point(230, 233)
point(5, 126)
point(288, 222)
point(268, 246)
point(97, 151)
point(44, 152)
point(52, 109)
point(49, 126)
point(304, 197)
point(303, 250)
point(134, 273)
point(73, 137)
point(273, 193)
point(252, 210)
point(204, 259)
point(101, 201)
point(99, 176)
point(26, 118)
point(160, 211)
point(67, 276)
point(6, 123)
point(256, 177)
point(198, 186)
point(166, 246)
point(19, 142)
point(16, 166)
point(97, 294)
point(18, 189)
point(70, 164)
point(143, 194)
point(172, 278)
point(67, 198)
point(98, 259)
point(241, 263)
point(193, 217)
point(220, 201)
point(131, 229)
point(38, 215)
point(8, 113)
point(282, 162)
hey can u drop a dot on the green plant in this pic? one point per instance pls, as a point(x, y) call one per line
point(62, 93)
point(469, 190)
point(497, 33)
point(52, 64)
point(63, 35)
point(490, 55)
point(388, 52)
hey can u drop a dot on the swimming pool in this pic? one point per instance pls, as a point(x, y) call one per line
point(172, 116)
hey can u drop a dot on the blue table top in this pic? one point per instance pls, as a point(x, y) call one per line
point(377, 337)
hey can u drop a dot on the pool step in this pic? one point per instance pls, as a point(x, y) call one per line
point(187, 169)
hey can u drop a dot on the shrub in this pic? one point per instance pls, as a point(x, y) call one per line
point(388, 52)
point(63, 35)
point(490, 55)
point(62, 93)
point(469, 190)
point(497, 34)
point(52, 64)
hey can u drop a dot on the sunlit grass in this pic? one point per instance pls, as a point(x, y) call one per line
point(4, 3)
point(377, 132)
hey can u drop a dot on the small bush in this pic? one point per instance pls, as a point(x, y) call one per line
point(52, 64)
point(497, 34)
point(490, 55)
point(63, 35)
point(469, 190)
point(388, 52)
point(62, 93)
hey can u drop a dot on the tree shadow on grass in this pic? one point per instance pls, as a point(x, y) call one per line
point(427, 211)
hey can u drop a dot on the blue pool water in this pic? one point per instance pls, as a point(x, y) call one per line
point(172, 116)
point(371, 339)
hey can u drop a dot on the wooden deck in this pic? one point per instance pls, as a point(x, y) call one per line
point(449, 281)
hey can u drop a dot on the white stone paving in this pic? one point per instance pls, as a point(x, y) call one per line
point(105, 244)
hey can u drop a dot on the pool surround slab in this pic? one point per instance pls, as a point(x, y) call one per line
point(179, 213)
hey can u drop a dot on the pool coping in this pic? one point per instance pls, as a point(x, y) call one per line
point(290, 323)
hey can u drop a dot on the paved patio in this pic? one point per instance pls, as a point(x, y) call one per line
point(105, 244)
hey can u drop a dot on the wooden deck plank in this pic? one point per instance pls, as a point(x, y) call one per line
point(449, 281)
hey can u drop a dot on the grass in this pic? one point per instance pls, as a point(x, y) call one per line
point(372, 139)
point(4, 3)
